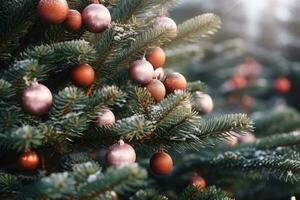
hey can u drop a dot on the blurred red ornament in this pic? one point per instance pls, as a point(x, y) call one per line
point(251, 69)
point(74, 20)
point(53, 11)
point(29, 160)
point(161, 163)
point(120, 154)
point(156, 56)
point(236, 82)
point(198, 181)
point(282, 85)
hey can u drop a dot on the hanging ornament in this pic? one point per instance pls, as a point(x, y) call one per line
point(74, 20)
point(96, 17)
point(83, 75)
point(157, 90)
point(175, 81)
point(166, 22)
point(29, 160)
point(159, 74)
point(141, 72)
point(247, 138)
point(105, 118)
point(120, 154)
point(282, 85)
point(161, 163)
point(237, 82)
point(198, 181)
point(53, 11)
point(156, 56)
point(232, 141)
point(203, 103)
point(36, 99)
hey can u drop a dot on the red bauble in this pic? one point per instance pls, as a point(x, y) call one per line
point(120, 154)
point(83, 75)
point(36, 99)
point(282, 85)
point(175, 81)
point(105, 118)
point(74, 20)
point(159, 73)
point(53, 11)
point(29, 160)
point(161, 163)
point(237, 82)
point(203, 103)
point(156, 57)
point(198, 181)
point(96, 17)
point(141, 72)
point(166, 22)
point(157, 90)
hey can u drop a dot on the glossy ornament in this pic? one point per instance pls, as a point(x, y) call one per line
point(159, 73)
point(105, 118)
point(198, 181)
point(203, 103)
point(157, 90)
point(161, 163)
point(141, 72)
point(74, 20)
point(36, 99)
point(166, 22)
point(83, 75)
point(120, 154)
point(282, 85)
point(29, 160)
point(96, 18)
point(156, 56)
point(53, 11)
point(175, 81)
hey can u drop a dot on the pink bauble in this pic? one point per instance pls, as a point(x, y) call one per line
point(96, 17)
point(36, 99)
point(141, 72)
point(105, 118)
point(203, 103)
point(120, 154)
point(159, 74)
point(247, 138)
point(166, 22)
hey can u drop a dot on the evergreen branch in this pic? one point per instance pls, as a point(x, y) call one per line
point(148, 194)
point(196, 86)
point(84, 170)
point(140, 100)
point(210, 193)
point(200, 26)
point(8, 184)
point(6, 90)
point(11, 118)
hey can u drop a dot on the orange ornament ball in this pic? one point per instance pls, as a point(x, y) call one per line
point(29, 160)
point(161, 163)
point(175, 81)
point(74, 20)
point(157, 90)
point(53, 11)
point(198, 181)
point(156, 56)
point(282, 85)
point(237, 82)
point(83, 75)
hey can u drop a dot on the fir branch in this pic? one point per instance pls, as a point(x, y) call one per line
point(196, 86)
point(200, 26)
point(148, 194)
point(6, 90)
point(11, 118)
point(210, 193)
point(140, 101)
point(9, 182)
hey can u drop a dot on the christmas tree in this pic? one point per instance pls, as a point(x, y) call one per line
point(91, 109)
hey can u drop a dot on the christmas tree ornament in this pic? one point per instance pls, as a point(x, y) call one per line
point(29, 160)
point(120, 154)
point(166, 22)
point(251, 69)
point(53, 11)
point(74, 20)
point(159, 73)
point(175, 81)
point(237, 82)
point(282, 85)
point(141, 72)
point(161, 163)
point(105, 118)
point(203, 103)
point(96, 18)
point(247, 138)
point(156, 56)
point(232, 141)
point(157, 90)
point(36, 99)
point(83, 75)
point(198, 181)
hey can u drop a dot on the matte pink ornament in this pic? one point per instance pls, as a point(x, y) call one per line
point(166, 22)
point(96, 17)
point(120, 154)
point(105, 118)
point(141, 72)
point(36, 99)
point(203, 103)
